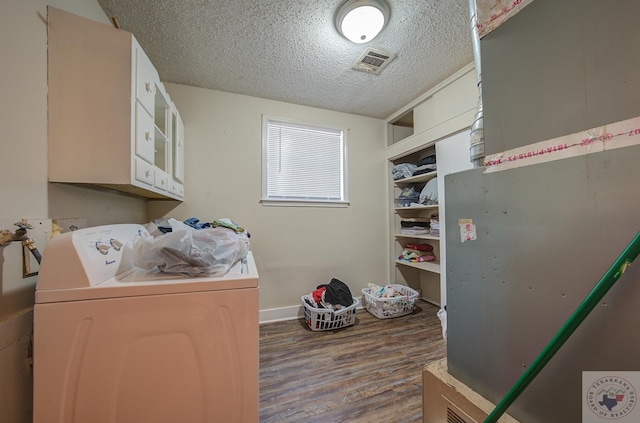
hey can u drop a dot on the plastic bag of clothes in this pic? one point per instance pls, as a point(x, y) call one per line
point(190, 252)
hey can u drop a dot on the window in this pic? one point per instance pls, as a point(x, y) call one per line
point(302, 164)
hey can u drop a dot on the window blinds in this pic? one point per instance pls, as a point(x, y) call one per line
point(304, 163)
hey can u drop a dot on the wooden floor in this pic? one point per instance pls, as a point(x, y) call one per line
point(365, 373)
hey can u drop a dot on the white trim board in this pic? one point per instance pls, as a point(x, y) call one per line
point(284, 313)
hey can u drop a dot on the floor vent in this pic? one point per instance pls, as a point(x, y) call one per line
point(453, 417)
point(373, 60)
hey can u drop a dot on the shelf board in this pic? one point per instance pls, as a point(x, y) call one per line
point(416, 179)
point(435, 238)
point(413, 208)
point(429, 266)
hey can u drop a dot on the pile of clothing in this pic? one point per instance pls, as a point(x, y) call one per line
point(408, 196)
point(385, 291)
point(335, 295)
point(429, 193)
point(413, 195)
point(163, 225)
point(415, 226)
point(417, 253)
point(389, 300)
point(407, 170)
point(434, 222)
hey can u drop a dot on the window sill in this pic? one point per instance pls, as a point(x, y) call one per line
point(303, 203)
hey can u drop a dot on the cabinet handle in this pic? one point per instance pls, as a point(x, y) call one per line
point(179, 143)
point(147, 173)
point(147, 135)
point(148, 86)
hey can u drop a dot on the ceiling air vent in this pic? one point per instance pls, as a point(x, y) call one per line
point(373, 60)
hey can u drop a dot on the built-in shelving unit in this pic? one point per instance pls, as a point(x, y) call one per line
point(422, 276)
point(437, 123)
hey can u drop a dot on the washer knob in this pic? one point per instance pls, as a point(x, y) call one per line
point(117, 245)
point(102, 248)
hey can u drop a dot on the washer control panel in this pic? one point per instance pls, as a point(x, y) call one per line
point(87, 257)
point(106, 250)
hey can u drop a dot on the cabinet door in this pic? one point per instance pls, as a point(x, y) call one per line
point(161, 180)
point(146, 80)
point(145, 134)
point(144, 172)
point(178, 149)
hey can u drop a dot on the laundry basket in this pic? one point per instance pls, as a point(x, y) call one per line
point(326, 319)
point(386, 308)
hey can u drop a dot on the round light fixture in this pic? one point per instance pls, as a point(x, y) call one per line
point(361, 20)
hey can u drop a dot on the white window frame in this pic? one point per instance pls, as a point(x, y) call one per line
point(301, 201)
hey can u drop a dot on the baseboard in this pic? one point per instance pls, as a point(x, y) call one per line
point(430, 301)
point(284, 313)
point(280, 314)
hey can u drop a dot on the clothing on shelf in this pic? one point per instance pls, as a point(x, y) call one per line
point(429, 193)
point(417, 253)
point(427, 160)
point(414, 221)
point(415, 256)
point(415, 231)
point(424, 169)
point(435, 224)
point(425, 165)
point(407, 170)
point(403, 170)
point(408, 196)
point(414, 226)
point(419, 247)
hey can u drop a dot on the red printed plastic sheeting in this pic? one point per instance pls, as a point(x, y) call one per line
point(621, 134)
point(492, 13)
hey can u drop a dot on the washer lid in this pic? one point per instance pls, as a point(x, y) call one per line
point(97, 262)
point(137, 282)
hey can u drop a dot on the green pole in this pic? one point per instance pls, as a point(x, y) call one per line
point(591, 300)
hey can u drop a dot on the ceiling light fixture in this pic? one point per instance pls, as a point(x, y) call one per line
point(361, 20)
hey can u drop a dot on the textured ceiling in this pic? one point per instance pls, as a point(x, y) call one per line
point(290, 50)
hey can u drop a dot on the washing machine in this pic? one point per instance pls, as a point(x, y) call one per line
point(117, 344)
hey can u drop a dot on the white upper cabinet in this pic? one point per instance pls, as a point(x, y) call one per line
point(111, 122)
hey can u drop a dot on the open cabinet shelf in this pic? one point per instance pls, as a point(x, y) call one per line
point(428, 266)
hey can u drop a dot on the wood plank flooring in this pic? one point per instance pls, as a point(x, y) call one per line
point(365, 373)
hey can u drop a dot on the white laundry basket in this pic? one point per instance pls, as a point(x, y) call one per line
point(319, 319)
point(386, 308)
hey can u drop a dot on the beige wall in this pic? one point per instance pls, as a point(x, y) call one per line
point(25, 191)
point(23, 158)
point(296, 248)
